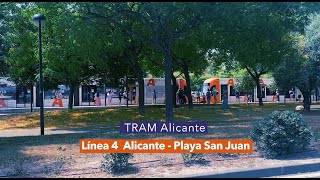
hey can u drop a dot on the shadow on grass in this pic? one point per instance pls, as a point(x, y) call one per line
point(129, 170)
point(197, 162)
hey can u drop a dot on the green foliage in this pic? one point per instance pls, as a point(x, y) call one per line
point(301, 66)
point(193, 158)
point(281, 133)
point(116, 162)
point(245, 83)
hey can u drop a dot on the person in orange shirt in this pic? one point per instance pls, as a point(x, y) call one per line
point(58, 98)
point(246, 99)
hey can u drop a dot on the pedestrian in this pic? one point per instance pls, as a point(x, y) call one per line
point(208, 95)
point(291, 95)
point(215, 93)
point(180, 96)
point(203, 98)
point(250, 97)
point(154, 97)
point(246, 98)
point(198, 97)
point(120, 97)
point(58, 98)
point(278, 96)
point(109, 96)
point(237, 96)
point(97, 100)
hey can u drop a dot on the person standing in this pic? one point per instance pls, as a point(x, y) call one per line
point(250, 97)
point(215, 93)
point(120, 97)
point(237, 96)
point(208, 95)
point(278, 96)
point(97, 100)
point(180, 96)
point(291, 95)
point(203, 98)
point(154, 97)
point(58, 98)
point(246, 98)
point(109, 96)
point(198, 97)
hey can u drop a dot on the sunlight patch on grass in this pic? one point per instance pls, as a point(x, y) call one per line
point(54, 113)
point(182, 117)
point(109, 110)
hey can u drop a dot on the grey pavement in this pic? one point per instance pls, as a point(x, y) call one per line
point(294, 170)
point(49, 131)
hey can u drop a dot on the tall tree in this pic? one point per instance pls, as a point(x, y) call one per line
point(302, 68)
point(20, 39)
point(164, 22)
point(73, 49)
point(257, 38)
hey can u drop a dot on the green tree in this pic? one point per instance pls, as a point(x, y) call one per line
point(302, 68)
point(257, 39)
point(73, 49)
point(163, 23)
point(20, 39)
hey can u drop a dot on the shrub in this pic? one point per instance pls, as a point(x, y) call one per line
point(192, 158)
point(116, 162)
point(281, 133)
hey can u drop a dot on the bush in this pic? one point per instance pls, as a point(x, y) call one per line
point(116, 162)
point(281, 133)
point(192, 158)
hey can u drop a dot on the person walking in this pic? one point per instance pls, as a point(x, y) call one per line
point(198, 97)
point(154, 97)
point(203, 98)
point(237, 96)
point(291, 95)
point(278, 96)
point(208, 95)
point(246, 98)
point(215, 93)
point(58, 98)
point(249, 97)
point(180, 96)
point(97, 100)
point(109, 96)
point(120, 97)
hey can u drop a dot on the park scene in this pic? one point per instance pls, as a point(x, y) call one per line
point(77, 70)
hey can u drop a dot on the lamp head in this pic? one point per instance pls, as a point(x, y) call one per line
point(38, 17)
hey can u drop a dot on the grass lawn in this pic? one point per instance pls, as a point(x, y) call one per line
point(58, 155)
point(112, 117)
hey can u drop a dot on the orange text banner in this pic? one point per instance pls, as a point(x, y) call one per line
point(166, 146)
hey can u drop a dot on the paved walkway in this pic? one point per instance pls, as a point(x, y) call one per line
point(293, 170)
point(49, 131)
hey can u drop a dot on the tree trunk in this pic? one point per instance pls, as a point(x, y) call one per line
point(284, 99)
point(175, 89)
point(257, 79)
point(306, 99)
point(31, 100)
point(317, 94)
point(141, 93)
point(71, 93)
point(168, 86)
point(188, 88)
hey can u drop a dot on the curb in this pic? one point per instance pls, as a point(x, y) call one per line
point(260, 172)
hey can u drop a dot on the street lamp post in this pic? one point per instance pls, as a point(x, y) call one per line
point(39, 21)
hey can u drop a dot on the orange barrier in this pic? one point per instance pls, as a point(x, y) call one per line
point(166, 146)
point(57, 102)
